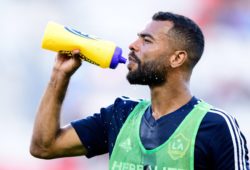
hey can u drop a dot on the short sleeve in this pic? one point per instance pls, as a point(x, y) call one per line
point(92, 132)
point(227, 145)
point(98, 132)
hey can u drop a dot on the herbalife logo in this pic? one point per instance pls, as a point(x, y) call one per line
point(126, 145)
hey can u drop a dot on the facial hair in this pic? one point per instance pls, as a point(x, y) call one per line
point(152, 73)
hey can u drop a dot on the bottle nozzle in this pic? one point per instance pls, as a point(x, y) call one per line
point(122, 60)
point(117, 58)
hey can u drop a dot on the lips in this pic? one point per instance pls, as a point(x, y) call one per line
point(133, 60)
point(133, 57)
point(131, 63)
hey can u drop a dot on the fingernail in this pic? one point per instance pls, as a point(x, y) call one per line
point(76, 51)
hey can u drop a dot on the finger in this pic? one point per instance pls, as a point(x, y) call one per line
point(77, 55)
point(76, 51)
point(61, 56)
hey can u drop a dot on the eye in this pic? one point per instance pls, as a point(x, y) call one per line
point(146, 40)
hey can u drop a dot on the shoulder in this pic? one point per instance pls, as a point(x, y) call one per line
point(120, 108)
point(216, 117)
point(126, 101)
point(221, 119)
point(223, 124)
point(123, 106)
point(116, 113)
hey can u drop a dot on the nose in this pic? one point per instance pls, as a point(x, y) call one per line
point(134, 46)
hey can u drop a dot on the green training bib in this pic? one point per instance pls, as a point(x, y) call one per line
point(177, 153)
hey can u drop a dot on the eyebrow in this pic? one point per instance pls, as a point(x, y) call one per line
point(143, 35)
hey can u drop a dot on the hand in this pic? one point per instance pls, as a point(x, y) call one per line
point(68, 64)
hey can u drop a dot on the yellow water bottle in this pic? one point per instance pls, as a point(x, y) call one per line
point(100, 52)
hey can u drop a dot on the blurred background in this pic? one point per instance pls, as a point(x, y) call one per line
point(222, 77)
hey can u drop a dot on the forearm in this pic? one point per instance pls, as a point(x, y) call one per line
point(47, 123)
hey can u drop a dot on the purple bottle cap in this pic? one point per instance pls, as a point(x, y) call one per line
point(117, 58)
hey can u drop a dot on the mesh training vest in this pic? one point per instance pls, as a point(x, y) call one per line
point(177, 153)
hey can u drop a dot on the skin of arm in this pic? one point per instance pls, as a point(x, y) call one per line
point(49, 140)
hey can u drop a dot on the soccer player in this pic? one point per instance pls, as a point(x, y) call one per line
point(173, 130)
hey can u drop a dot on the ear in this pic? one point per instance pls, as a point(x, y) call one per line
point(178, 58)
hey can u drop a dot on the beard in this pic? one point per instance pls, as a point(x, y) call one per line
point(152, 73)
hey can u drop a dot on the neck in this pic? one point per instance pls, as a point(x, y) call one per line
point(169, 97)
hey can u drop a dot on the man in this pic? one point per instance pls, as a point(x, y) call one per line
point(175, 130)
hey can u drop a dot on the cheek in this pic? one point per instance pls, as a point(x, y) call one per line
point(155, 54)
point(148, 53)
